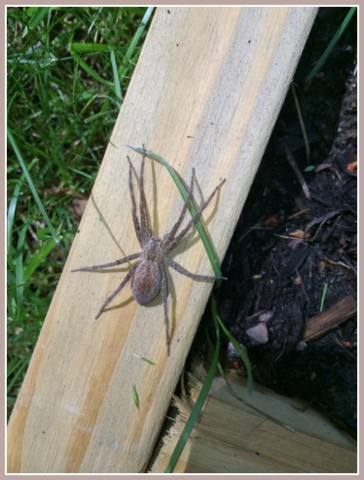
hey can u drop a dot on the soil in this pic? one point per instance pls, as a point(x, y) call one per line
point(294, 251)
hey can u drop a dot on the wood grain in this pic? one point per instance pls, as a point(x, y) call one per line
point(230, 437)
point(206, 92)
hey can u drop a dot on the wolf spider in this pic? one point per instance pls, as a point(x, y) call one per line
point(147, 275)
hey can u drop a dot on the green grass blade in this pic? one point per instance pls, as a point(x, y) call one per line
point(84, 48)
point(39, 257)
point(183, 191)
point(144, 359)
point(249, 390)
point(36, 16)
point(135, 396)
point(219, 366)
point(117, 83)
point(331, 45)
point(236, 344)
point(253, 407)
point(12, 212)
point(89, 70)
point(19, 266)
point(94, 20)
point(196, 410)
point(242, 353)
point(15, 370)
point(323, 297)
point(32, 187)
point(132, 47)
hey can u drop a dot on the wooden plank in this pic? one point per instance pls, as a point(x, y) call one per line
point(230, 437)
point(205, 94)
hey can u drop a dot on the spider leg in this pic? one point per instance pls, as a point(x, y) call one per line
point(164, 292)
point(107, 265)
point(169, 236)
point(197, 215)
point(185, 272)
point(145, 233)
point(120, 287)
point(133, 205)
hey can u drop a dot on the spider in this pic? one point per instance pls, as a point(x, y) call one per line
point(147, 275)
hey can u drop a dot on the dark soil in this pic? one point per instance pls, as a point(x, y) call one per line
point(295, 245)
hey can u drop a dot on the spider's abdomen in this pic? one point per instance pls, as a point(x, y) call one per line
point(146, 283)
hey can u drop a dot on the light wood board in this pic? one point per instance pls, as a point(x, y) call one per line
point(230, 437)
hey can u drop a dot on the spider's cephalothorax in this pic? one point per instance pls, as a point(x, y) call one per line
point(147, 275)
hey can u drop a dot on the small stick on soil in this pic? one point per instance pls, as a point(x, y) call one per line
point(299, 175)
point(324, 322)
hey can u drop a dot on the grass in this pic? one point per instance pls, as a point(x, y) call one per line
point(68, 71)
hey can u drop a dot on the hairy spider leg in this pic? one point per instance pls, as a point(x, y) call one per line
point(107, 265)
point(142, 205)
point(133, 205)
point(120, 287)
point(164, 292)
point(187, 273)
point(169, 236)
point(197, 215)
point(141, 229)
